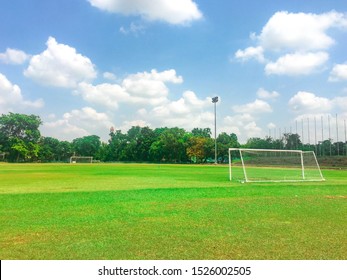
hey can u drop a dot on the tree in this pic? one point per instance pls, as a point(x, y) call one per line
point(48, 149)
point(116, 144)
point(64, 150)
point(170, 145)
point(143, 143)
point(51, 149)
point(327, 148)
point(200, 148)
point(259, 143)
point(19, 136)
point(138, 143)
point(202, 132)
point(224, 142)
point(103, 152)
point(291, 141)
point(87, 145)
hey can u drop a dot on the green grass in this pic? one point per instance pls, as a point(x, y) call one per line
point(139, 211)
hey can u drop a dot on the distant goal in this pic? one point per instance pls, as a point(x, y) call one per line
point(262, 165)
point(78, 159)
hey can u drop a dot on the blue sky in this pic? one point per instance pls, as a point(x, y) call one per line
point(87, 65)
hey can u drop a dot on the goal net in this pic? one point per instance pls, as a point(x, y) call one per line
point(260, 165)
point(78, 159)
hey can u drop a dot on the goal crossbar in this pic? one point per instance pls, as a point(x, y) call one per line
point(82, 159)
point(301, 158)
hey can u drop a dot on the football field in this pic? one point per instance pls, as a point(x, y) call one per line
point(156, 211)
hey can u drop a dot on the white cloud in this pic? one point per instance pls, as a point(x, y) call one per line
point(306, 102)
point(239, 120)
point(87, 117)
point(341, 102)
point(126, 125)
point(314, 127)
point(264, 94)
point(252, 130)
point(150, 85)
point(146, 95)
point(189, 111)
point(109, 76)
point(142, 88)
point(188, 103)
point(299, 41)
point(13, 56)
point(11, 98)
point(60, 66)
point(149, 92)
point(256, 53)
point(271, 125)
point(297, 64)
point(79, 123)
point(108, 95)
point(256, 107)
point(244, 122)
point(173, 12)
point(244, 125)
point(300, 31)
point(339, 73)
point(63, 130)
point(165, 76)
point(134, 29)
point(321, 111)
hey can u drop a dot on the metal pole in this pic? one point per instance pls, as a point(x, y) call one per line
point(345, 138)
point(322, 150)
point(329, 133)
point(315, 134)
point(308, 133)
point(337, 137)
point(215, 133)
point(296, 131)
point(230, 174)
point(302, 132)
point(215, 100)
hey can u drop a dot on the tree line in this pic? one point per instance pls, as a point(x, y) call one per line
point(21, 141)
point(291, 141)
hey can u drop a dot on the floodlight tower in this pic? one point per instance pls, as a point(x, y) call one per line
point(214, 101)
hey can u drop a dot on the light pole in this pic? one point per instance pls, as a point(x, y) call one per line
point(214, 101)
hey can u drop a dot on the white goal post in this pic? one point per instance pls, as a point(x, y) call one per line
point(269, 165)
point(2, 156)
point(78, 159)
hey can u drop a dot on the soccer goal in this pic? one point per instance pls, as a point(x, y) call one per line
point(262, 165)
point(2, 156)
point(78, 159)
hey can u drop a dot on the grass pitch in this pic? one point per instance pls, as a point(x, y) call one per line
point(139, 211)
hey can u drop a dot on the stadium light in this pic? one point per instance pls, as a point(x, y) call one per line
point(214, 101)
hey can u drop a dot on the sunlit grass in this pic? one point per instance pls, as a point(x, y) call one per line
point(128, 211)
